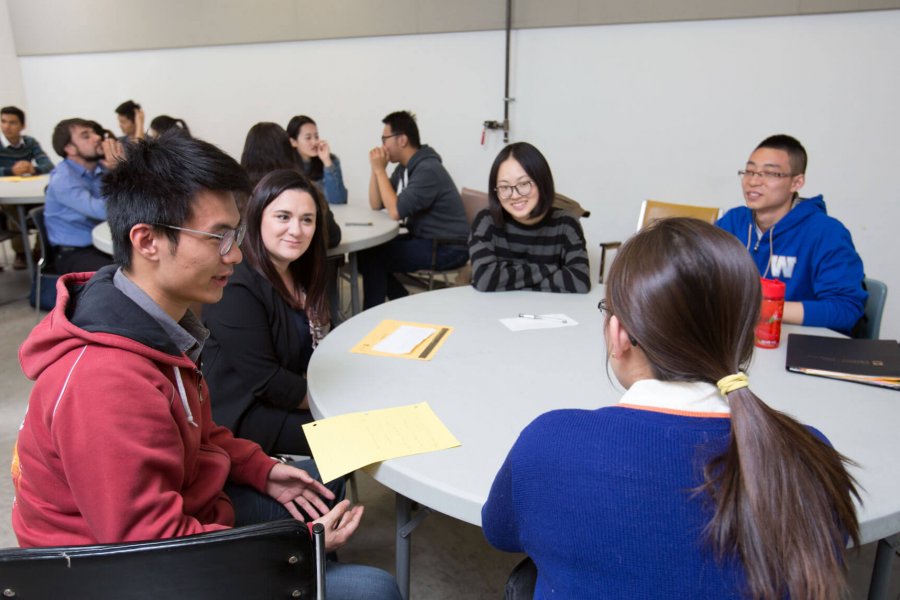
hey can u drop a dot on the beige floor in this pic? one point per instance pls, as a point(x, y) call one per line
point(451, 560)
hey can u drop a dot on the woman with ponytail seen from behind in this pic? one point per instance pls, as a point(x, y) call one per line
point(690, 487)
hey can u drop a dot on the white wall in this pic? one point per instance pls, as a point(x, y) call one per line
point(668, 111)
point(12, 92)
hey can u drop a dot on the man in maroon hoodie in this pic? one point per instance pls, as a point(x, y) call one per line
point(118, 443)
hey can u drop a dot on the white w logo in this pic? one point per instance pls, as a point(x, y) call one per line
point(783, 266)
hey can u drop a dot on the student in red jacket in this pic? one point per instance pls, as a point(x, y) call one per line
point(118, 443)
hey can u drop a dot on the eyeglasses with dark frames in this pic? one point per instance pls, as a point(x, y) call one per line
point(603, 308)
point(385, 138)
point(748, 174)
point(227, 240)
point(523, 188)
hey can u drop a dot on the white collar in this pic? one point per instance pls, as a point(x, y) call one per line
point(6, 143)
point(694, 397)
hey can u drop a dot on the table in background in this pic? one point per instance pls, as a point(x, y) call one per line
point(20, 192)
point(487, 383)
point(361, 228)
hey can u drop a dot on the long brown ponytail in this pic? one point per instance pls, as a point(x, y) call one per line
point(782, 499)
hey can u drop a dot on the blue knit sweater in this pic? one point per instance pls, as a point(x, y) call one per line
point(601, 501)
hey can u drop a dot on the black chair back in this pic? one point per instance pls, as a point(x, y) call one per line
point(270, 560)
point(36, 215)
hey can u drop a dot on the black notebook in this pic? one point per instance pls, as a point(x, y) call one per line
point(872, 362)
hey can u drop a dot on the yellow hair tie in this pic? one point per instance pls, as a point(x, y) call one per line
point(730, 383)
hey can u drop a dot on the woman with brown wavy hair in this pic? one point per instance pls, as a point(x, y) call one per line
point(271, 317)
point(690, 487)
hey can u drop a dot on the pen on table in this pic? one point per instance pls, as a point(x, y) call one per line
point(541, 318)
point(367, 224)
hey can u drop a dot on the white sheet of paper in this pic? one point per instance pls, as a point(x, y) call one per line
point(551, 321)
point(403, 340)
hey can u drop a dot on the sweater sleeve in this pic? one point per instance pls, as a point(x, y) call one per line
point(498, 515)
point(42, 162)
point(568, 272)
point(240, 325)
point(333, 183)
point(839, 299)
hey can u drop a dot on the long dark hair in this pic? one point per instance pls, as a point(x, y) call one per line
point(164, 123)
point(266, 148)
point(308, 271)
point(316, 167)
point(536, 166)
point(689, 295)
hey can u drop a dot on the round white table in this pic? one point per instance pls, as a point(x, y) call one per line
point(487, 383)
point(20, 192)
point(361, 228)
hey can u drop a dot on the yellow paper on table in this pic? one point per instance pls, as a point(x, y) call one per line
point(349, 442)
point(401, 339)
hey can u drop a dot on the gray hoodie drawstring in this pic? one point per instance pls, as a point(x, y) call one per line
point(756, 247)
point(184, 400)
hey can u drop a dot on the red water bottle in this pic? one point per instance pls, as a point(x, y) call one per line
point(768, 329)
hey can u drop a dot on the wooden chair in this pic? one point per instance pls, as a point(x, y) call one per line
point(653, 210)
point(269, 560)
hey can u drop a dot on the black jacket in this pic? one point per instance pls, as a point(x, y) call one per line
point(255, 358)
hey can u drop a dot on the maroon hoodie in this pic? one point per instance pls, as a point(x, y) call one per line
point(118, 443)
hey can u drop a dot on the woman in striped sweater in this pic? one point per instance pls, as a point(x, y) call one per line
point(520, 242)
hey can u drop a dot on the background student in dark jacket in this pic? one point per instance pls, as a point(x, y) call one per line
point(272, 315)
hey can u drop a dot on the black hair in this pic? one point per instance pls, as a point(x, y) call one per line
point(62, 133)
point(316, 167)
point(14, 110)
point(267, 147)
point(164, 123)
point(158, 182)
point(795, 150)
point(537, 168)
point(404, 122)
point(127, 109)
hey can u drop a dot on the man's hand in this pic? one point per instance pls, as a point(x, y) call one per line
point(340, 523)
point(378, 158)
point(294, 487)
point(112, 153)
point(323, 151)
point(23, 167)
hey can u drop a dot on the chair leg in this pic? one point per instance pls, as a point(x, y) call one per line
point(353, 488)
point(881, 570)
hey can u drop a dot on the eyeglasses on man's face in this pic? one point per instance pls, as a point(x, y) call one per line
point(227, 240)
point(505, 192)
point(385, 138)
point(768, 175)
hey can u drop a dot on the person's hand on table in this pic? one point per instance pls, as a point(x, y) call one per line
point(296, 489)
point(378, 158)
point(323, 151)
point(23, 167)
point(340, 524)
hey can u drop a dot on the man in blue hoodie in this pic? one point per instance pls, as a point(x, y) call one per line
point(794, 240)
point(421, 191)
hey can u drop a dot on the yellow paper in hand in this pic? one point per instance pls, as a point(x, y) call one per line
point(349, 442)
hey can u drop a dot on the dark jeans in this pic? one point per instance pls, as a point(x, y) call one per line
point(403, 254)
point(343, 581)
point(79, 260)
